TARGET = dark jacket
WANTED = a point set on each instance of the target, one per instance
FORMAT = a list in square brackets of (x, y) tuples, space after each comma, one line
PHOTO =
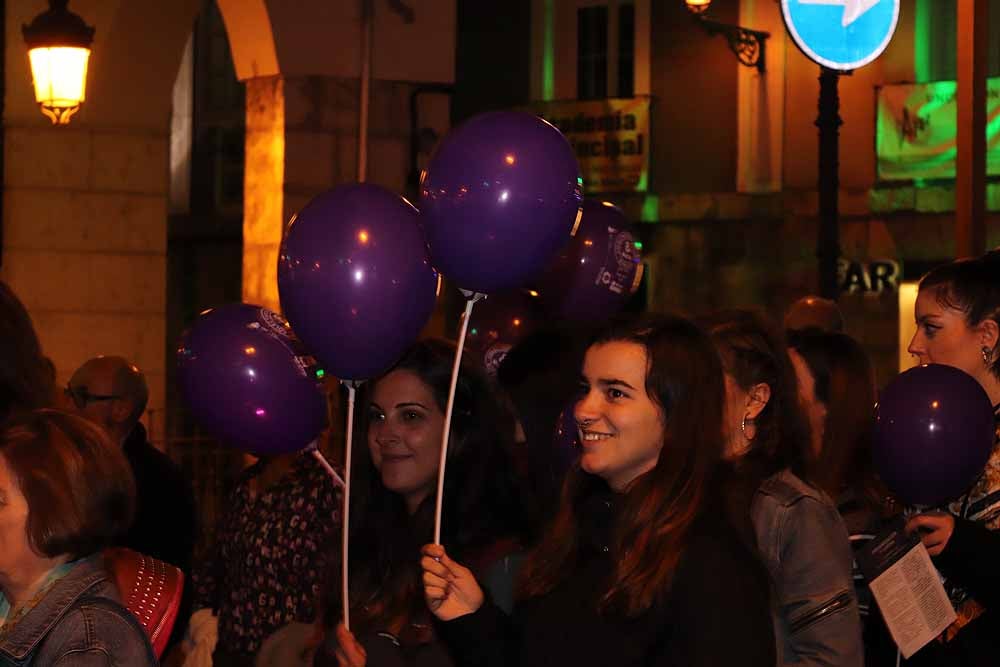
[(805, 546), (716, 613), (969, 565), (165, 524), (78, 623), (970, 560)]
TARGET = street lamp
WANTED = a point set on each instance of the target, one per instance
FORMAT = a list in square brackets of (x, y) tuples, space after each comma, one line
[(747, 45), (59, 48)]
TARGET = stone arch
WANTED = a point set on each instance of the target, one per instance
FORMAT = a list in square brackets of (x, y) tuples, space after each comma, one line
[(251, 38)]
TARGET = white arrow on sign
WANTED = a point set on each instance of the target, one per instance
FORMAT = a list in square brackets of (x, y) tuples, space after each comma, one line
[(853, 9)]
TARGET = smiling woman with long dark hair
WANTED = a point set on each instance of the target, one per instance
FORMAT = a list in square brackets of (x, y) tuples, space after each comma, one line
[(393, 505), (640, 566)]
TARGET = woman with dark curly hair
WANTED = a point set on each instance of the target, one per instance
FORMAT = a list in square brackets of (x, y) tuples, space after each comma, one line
[(393, 511)]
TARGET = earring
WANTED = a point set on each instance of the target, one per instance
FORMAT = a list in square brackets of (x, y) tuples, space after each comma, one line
[(987, 355), (743, 428)]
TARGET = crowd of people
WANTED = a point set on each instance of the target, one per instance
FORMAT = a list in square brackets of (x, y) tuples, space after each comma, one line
[(709, 515)]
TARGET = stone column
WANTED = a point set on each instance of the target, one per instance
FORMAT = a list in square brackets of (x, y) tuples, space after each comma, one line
[(302, 139)]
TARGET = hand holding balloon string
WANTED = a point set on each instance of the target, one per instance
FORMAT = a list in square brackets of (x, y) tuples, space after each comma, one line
[(450, 589)]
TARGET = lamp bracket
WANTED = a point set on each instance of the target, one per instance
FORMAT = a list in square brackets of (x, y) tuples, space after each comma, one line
[(747, 45)]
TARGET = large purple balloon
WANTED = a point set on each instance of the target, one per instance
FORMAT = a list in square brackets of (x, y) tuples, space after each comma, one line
[(594, 274), (355, 279), (249, 382), (501, 194), (933, 434)]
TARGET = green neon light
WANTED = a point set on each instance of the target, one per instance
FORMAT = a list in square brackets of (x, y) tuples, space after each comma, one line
[(638, 245), (549, 53), (651, 209), (922, 29), (320, 373)]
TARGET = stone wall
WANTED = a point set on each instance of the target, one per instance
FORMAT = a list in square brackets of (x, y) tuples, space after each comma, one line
[(85, 244)]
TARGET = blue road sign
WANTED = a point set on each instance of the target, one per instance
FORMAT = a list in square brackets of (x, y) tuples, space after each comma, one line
[(841, 34)]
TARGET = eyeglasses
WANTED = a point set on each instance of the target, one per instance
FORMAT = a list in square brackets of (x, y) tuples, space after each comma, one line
[(81, 397)]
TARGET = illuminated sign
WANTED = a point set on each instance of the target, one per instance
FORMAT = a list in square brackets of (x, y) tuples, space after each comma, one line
[(841, 34), (610, 138)]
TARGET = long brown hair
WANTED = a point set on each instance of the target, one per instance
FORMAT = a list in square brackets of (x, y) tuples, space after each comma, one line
[(845, 384), (26, 377), (481, 507), (684, 378)]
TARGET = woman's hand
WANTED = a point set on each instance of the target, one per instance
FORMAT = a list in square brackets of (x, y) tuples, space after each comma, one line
[(935, 530), (349, 652), (450, 589)]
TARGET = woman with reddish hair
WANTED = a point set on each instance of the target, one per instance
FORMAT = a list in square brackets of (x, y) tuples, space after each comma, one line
[(66, 492)]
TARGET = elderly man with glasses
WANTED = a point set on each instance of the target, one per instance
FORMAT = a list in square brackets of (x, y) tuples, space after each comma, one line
[(112, 392)]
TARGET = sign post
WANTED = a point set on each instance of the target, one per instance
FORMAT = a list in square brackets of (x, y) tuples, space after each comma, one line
[(840, 36)]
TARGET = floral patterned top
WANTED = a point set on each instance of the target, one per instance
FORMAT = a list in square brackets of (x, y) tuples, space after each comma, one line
[(270, 556)]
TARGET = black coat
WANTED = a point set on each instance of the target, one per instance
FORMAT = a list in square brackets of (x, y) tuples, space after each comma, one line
[(165, 524), (970, 560), (717, 612)]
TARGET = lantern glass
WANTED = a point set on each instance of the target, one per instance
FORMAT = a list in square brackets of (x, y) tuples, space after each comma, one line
[(698, 6), (60, 78)]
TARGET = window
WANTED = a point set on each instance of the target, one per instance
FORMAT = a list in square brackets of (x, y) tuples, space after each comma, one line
[(592, 53), (935, 40), (626, 50)]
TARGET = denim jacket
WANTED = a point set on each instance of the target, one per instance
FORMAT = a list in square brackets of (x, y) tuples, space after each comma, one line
[(78, 622), (805, 545)]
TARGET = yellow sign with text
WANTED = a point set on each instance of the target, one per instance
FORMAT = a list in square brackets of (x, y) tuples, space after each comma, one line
[(610, 138)]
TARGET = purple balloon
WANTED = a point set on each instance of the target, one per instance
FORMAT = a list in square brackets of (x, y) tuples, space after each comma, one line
[(355, 279), (249, 382), (594, 274), (933, 434), (498, 322), (499, 197)]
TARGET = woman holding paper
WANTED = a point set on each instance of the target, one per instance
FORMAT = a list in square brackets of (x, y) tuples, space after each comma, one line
[(393, 508), (958, 324), (640, 566), (800, 535)]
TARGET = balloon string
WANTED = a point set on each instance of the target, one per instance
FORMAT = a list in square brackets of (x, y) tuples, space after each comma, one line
[(445, 435), (337, 479), (345, 518)]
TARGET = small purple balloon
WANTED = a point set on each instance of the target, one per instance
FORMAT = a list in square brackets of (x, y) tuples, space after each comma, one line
[(499, 197), (498, 322), (934, 433), (355, 279), (594, 274), (249, 382)]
